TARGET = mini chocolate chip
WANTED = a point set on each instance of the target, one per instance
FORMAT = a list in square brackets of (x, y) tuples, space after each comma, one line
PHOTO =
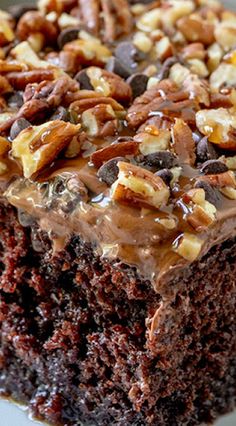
[(159, 160), (211, 193), (15, 100), (108, 172), (18, 126), (213, 167), (84, 80), (205, 150), (166, 175), (18, 10), (165, 69), (129, 55), (115, 66), (67, 35), (138, 83)]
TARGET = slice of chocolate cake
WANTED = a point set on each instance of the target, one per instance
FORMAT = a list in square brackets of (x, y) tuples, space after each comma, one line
[(118, 211)]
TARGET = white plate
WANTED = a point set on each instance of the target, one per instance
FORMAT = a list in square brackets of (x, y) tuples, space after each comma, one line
[(11, 415)]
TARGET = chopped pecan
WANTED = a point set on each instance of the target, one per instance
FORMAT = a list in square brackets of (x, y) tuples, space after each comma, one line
[(19, 80), (223, 76), (7, 66), (100, 121), (117, 18), (5, 86), (24, 53), (203, 213), (89, 99), (38, 146), (220, 180), (108, 84), (33, 22), (183, 142), (6, 33), (115, 150), (164, 97), (219, 125), (138, 187), (151, 142), (89, 52), (5, 146), (188, 246), (193, 50), (196, 30), (30, 110)]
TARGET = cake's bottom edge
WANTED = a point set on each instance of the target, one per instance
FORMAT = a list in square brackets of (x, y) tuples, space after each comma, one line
[(86, 341)]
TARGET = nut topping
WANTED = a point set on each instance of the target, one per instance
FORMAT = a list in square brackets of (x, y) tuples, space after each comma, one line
[(188, 246), (38, 146), (139, 188)]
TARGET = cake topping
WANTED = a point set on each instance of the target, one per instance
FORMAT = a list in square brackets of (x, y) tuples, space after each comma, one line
[(136, 104)]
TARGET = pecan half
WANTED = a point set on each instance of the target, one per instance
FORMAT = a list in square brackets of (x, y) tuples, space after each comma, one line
[(138, 187), (120, 149), (89, 99), (38, 146), (19, 80)]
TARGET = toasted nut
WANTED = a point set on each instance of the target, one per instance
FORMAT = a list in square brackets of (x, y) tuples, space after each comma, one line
[(225, 34), (194, 51), (109, 84), (47, 6), (224, 75), (120, 149), (196, 30), (143, 42), (6, 66), (164, 48), (100, 121), (188, 246), (203, 213), (178, 9), (65, 20), (150, 21), (230, 162), (36, 41), (217, 125), (33, 22), (197, 66), (183, 142), (38, 146), (6, 33), (176, 172), (5, 146), (167, 223), (24, 53), (150, 143), (221, 180), (229, 192), (3, 168), (89, 52), (139, 187), (178, 74), (215, 54), (5, 86), (73, 148)]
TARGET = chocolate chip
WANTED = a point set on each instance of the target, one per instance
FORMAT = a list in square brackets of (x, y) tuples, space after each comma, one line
[(18, 126), (108, 172), (115, 66), (211, 193), (213, 167), (15, 100), (166, 175), (84, 80), (67, 35), (18, 10), (129, 55), (205, 150), (159, 160), (138, 83)]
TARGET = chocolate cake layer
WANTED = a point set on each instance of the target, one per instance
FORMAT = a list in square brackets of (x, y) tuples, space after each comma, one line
[(84, 340)]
